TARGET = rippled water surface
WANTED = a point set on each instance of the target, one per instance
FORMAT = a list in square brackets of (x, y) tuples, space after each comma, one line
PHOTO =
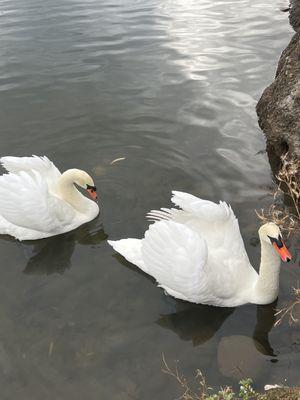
[(172, 87)]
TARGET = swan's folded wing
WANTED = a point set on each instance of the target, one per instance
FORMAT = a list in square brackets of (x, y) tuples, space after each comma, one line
[(28, 164), (25, 201), (217, 222), (176, 257), (205, 209), (193, 207)]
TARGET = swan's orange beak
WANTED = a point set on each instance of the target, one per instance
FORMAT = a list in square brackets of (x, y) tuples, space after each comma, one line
[(281, 249), (92, 191)]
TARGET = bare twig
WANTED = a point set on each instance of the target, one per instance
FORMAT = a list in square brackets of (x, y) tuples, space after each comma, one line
[(289, 175), (188, 393), (288, 179), (202, 392), (289, 310)]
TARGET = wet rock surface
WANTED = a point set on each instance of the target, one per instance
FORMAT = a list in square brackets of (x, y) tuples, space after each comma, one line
[(279, 106), (295, 15)]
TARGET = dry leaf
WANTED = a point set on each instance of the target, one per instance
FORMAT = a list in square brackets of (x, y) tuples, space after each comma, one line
[(117, 160)]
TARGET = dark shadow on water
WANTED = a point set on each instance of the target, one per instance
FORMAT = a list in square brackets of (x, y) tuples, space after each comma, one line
[(265, 320), (198, 323), (53, 255)]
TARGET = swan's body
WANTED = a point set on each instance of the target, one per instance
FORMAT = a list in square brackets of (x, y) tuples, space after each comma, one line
[(197, 254), (37, 201)]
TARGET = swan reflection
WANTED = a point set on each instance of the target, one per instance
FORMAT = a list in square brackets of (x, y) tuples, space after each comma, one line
[(199, 323), (50, 255)]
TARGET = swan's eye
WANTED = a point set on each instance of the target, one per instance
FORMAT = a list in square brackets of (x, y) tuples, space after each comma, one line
[(91, 188), (278, 241)]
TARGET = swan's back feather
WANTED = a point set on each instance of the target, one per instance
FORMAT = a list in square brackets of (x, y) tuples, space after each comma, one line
[(204, 209), (217, 223), (43, 165), (26, 203)]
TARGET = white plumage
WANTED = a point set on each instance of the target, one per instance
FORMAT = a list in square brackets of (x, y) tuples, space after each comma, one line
[(197, 254), (37, 201)]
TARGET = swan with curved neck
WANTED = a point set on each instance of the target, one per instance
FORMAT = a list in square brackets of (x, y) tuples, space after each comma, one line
[(67, 190), (37, 201), (196, 253)]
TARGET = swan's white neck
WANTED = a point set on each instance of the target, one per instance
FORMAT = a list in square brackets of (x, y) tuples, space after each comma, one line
[(267, 285), (68, 192)]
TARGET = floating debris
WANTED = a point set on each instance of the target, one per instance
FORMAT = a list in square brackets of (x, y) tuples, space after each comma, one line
[(51, 345), (117, 160), (269, 387)]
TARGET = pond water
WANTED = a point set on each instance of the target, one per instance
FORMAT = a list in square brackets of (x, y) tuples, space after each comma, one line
[(172, 87)]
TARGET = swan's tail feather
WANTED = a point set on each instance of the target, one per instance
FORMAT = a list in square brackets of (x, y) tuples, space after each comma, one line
[(158, 215), (166, 214), (131, 249)]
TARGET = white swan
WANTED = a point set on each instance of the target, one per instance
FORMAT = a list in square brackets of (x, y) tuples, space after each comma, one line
[(197, 254), (37, 201)]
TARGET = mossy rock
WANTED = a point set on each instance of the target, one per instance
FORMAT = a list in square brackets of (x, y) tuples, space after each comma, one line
[(281, 394)]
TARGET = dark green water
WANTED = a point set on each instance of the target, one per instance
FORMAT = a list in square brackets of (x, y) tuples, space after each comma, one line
[(172, 86)]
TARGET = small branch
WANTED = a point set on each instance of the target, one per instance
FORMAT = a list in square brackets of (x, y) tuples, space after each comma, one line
[(289, 177), (289, 310), (188, 393)]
